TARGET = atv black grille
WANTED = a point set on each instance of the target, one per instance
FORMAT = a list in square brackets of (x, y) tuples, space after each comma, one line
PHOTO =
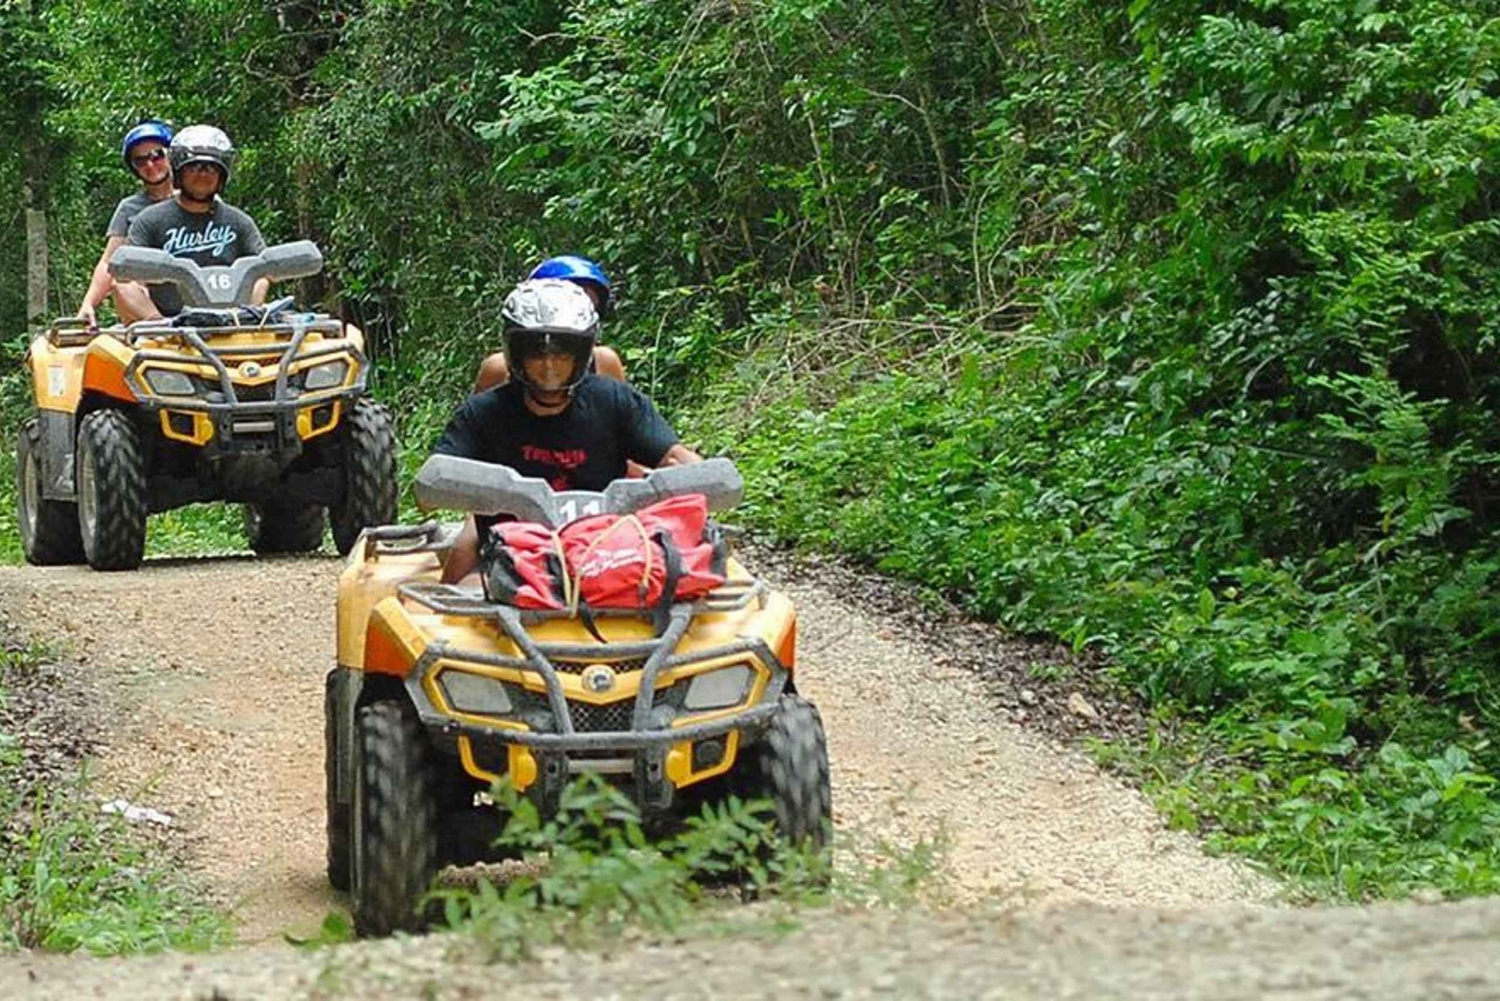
[(255, 394), (610, 718), (619, 666)]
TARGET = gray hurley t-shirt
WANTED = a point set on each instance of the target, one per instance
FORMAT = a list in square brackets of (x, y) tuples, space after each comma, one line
[(210, 239), (126, 211)]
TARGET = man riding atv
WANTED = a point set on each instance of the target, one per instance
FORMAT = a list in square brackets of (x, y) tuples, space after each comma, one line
[(648, 656), (229, 400), (555, 419), (195, 224)]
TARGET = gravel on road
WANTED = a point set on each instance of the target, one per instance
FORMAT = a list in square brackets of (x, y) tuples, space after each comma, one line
[(1225, 953)]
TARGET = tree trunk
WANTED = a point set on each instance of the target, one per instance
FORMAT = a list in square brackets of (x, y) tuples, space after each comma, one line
[(36, 266), (33, 95)]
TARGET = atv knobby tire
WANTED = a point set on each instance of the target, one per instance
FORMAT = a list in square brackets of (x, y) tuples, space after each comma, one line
[(395, 837), (369, 474), (277, 528), (790, 768), (49, 528), (112, 502), (337, 813)]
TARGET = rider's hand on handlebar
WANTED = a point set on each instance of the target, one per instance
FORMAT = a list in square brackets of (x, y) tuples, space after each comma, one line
[(88, 316)]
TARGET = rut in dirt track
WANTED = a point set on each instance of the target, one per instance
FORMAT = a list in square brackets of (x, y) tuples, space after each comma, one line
[(214, 673)]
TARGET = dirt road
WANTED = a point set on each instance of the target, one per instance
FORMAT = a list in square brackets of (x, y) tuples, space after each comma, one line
[(215, 672), (217, 669)]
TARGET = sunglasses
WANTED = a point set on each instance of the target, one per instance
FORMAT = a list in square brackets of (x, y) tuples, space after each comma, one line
[(155, 156)]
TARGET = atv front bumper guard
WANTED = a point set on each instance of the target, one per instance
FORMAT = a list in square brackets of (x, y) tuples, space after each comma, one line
[(244, 424), (651, 736)]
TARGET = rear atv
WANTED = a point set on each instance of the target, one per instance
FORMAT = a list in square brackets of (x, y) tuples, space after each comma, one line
[(439, 692), (262, 406)]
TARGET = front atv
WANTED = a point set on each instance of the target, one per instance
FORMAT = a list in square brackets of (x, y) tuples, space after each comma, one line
[(266, 407), (439, 692)]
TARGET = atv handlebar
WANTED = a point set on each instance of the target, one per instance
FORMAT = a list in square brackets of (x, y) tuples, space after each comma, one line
[(226, 286), (447, 481)]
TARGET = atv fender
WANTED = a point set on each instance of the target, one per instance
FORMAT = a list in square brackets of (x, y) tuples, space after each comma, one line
[(366, 583), (393, 645), (54, 453), (104, 369)]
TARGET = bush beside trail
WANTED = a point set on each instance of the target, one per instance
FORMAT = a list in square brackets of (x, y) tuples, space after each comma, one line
[(71, 877)]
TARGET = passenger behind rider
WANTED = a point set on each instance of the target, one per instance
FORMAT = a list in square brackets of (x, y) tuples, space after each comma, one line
[(144, 150), (555, 420), (590, 277), (586, 275), (196, 223)]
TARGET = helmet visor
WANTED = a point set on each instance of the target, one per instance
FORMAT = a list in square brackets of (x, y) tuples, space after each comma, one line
[(535, 357)]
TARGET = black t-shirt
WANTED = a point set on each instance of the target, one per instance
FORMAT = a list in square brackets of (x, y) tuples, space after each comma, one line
[(211, 239), (583, 448)]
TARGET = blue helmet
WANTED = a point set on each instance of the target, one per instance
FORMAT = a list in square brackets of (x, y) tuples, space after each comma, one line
[(149, 130), (579, 270)]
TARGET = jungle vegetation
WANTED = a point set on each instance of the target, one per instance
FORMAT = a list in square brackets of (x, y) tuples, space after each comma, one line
[(1164, 327)]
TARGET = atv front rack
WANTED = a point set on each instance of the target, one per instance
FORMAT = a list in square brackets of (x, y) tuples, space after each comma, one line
[(73, 332), (452, 599), (537, 658)]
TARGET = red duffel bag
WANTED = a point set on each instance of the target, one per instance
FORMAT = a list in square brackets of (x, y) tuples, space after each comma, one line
[(659, 555)]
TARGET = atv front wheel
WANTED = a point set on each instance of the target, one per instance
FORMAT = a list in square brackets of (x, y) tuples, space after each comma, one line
[(276, 528), (49, 528), (369, 474), (394, 833), (112, 504), (789, 767)]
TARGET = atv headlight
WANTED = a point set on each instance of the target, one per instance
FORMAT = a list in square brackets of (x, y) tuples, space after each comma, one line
[(170, 382), (474, 693), (718, 689), (325, 376)]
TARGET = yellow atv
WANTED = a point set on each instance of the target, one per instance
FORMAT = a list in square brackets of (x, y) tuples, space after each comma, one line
[(260, 405), (439, 692)]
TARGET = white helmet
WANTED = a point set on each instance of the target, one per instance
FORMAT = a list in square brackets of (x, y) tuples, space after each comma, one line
[(203, 144), (549, 314), (550, 304)]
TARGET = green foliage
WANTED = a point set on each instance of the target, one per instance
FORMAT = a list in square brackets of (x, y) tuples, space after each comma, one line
[(591, 873), (336, 929), (197, 530), (1246, 444), (72, 878), (1336, 824)]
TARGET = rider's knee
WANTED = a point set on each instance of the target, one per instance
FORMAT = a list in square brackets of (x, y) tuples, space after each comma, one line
[(607, 361), (133, 302), (492, 372)]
